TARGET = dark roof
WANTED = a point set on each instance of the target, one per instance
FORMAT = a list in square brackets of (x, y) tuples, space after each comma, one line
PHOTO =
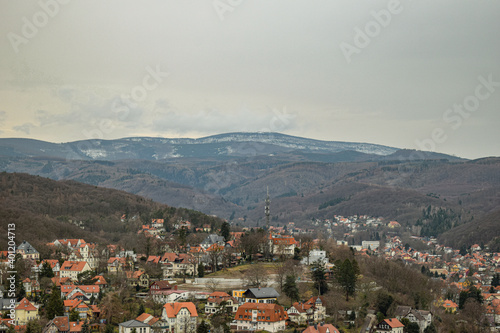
[(261, 293), (27, 247), (133, 323), (212, 239)]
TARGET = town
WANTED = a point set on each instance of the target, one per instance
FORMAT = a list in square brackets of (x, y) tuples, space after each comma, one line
[(314, 279)]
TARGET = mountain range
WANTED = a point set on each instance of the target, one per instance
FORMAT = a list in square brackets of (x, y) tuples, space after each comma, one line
[(228, 175), (217, 147)]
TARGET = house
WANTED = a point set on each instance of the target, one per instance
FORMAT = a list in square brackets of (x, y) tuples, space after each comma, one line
[(315, 256), (181, 264), (179, 317), (158, 286), (57, 325), (147, 318), (155, 323), (71, 269), (69, 243), (133, 326), (261, 295), (394, 224), (158, 223), (116, 264), (75, 326), (138, 278), (27, 251), (238, 295), (68, 291), (325, 328), (311, 311), (25, 311), (392, 325), (83, 310), (421, 317), (30, 286), (171, 296), (282, 245), (85, 252), (100, 281), (53, 263), (5, 325), (215, 300), (298, 313), (61, 281), (450, 306), (212, 239), (258, 316)]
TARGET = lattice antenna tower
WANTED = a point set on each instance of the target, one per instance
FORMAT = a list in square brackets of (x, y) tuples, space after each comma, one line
[(267, 210)]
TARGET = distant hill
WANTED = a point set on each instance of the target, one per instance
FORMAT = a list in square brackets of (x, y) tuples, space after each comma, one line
[(43, 210), (227, 175), (217, 147)]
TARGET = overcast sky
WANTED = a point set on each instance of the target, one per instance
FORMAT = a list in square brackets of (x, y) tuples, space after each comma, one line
[(418, 75)]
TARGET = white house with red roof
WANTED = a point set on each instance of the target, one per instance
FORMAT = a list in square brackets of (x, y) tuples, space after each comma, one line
[(71, 269), (392, 325), (219, 298), (180, 316), (282, 244), (260, 316), (67, 291)]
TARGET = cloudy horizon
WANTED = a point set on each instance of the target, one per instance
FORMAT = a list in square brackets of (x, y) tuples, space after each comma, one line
[(416, 75)]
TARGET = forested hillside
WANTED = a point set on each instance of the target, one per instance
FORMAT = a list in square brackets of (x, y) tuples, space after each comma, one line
[(43, 210)]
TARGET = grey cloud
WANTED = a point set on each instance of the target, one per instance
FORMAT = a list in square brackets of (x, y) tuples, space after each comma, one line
[(25, 128)]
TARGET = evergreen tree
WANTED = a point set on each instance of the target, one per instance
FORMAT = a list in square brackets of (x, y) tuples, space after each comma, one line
[(109, 329), (412, 328), (55, 305), (225, 231), (496, 280), (319, 278), (74, 316), (141, 310), (201, 270), (290, 288), (431, 329), (346, 275), (203, 327), (473, 293), (33, 326), (85, 328), (383, 302), (46, 271)]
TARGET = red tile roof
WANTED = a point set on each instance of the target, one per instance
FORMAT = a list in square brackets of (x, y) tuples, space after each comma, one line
[(266, 312), (326, 328), (173, 309), (393, 323), (74, 266), (25, 305)]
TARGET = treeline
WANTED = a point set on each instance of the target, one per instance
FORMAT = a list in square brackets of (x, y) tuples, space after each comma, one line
[(332, 202), (434, 222)]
